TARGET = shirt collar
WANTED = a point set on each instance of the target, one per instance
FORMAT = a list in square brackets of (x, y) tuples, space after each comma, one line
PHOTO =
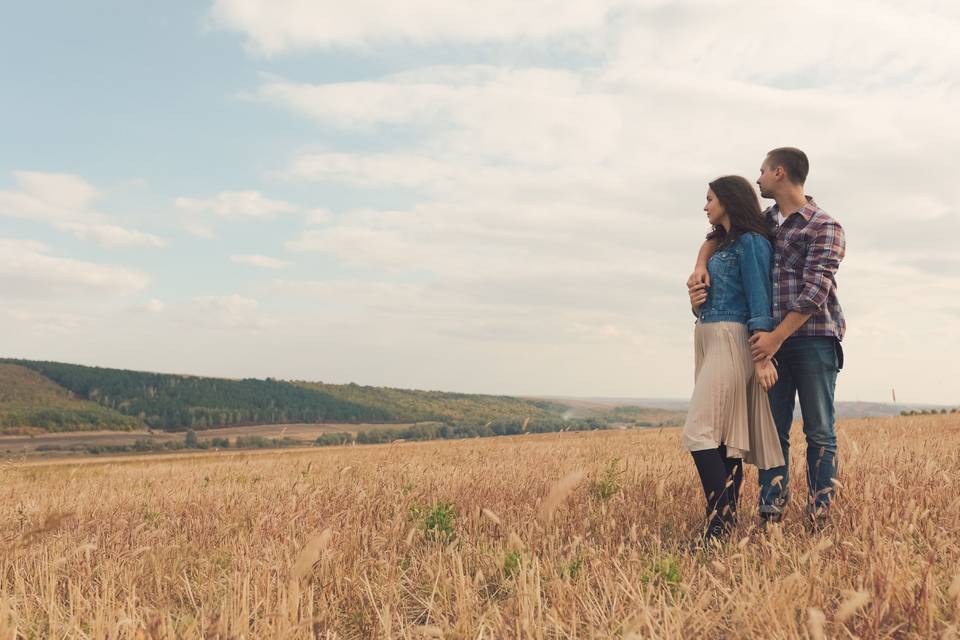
[(806, 211)]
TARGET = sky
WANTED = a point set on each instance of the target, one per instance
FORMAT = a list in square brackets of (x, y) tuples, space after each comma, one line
[(501, 197)]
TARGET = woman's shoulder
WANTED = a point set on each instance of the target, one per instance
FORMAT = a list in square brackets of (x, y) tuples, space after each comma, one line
[(753, 239)]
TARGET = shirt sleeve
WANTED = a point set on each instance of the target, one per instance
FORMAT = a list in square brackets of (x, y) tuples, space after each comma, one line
[(824, 254), (755, 264)]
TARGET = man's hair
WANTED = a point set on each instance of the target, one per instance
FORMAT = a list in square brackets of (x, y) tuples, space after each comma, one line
[(793, 161)]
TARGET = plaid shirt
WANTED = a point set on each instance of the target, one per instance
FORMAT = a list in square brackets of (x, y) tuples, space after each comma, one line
[(808, 249)]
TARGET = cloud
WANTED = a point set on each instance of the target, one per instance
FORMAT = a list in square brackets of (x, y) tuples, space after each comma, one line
[(28, 269), (850, 48), (563, 206), (235, 204), (111, 236), (224, 312), (263, 262), (66, 201), (526, 224), (43, 323), (49, 197), (150, 306), (290, 25), (537, 116)]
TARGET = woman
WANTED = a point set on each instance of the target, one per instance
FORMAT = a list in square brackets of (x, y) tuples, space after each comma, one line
[(729, 419)]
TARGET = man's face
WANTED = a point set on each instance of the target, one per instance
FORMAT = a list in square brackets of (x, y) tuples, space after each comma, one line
[(767, 179)]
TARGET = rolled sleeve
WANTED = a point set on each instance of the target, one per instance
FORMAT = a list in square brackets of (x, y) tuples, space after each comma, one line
[(755, 264), (824, 254)]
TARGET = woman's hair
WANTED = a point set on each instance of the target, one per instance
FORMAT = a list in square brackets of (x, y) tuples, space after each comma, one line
[(740, 201)]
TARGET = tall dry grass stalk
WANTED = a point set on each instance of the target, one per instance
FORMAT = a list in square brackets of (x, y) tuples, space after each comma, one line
[(344, 543)]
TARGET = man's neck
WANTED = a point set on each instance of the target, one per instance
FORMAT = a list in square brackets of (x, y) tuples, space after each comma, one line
[(788, 203)]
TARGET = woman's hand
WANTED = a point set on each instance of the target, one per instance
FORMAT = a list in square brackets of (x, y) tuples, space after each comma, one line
[(766, 373)]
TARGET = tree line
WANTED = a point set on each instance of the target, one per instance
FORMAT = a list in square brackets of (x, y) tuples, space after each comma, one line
[(180, 402)]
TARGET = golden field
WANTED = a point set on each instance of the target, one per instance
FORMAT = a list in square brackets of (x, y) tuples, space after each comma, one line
[(570, 535)]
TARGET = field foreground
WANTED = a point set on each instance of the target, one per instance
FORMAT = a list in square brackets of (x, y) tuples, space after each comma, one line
[(559, 535)]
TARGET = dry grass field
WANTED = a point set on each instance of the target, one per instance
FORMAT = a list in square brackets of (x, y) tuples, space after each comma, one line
[(570, 535)]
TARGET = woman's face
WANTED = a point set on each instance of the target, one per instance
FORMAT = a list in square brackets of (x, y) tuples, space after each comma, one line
[(716, 214)]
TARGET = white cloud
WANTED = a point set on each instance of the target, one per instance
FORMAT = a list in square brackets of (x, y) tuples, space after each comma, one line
[(112, 236), (249, 204), (28, 269), (48, 197), (263, 262), (150, 306), (235, 204), (66, 201), (43, 323), (224, 312), (536, 116), (318, 215), (574, 196), (286, 25), (849, 48), (509, 227)]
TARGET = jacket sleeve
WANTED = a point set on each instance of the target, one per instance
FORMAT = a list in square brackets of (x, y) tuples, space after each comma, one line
[(819, 271), (755, 266)]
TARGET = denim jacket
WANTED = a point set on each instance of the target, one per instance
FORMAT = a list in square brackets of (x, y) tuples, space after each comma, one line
[(740, 288)]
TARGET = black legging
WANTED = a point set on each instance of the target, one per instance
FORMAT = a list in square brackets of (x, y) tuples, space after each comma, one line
[(716, 469)]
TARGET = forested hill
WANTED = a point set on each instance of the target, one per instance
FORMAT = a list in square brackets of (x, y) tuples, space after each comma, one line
[(178, 402), (29, 403)]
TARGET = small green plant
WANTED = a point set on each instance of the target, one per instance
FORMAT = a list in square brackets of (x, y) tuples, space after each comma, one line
[(439, 521), (511, 563), (607, 484), (666, 572), (572, 569)]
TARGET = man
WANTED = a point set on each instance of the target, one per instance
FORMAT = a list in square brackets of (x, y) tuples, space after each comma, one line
[(809, 326)]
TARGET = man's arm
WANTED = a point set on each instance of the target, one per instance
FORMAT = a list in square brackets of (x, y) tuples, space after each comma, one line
[(819, 270), (764, 344), (700, 274)]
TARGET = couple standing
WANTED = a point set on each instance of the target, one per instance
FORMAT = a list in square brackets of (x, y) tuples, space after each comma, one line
[(768, 331)]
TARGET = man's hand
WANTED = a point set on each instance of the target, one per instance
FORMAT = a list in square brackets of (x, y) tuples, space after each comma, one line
[(700, 275), (766, 374), (698, 295), (764, 345)]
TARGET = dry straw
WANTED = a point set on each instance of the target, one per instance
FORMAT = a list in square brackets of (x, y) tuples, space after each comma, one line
[(310, 554), (221, 545), (851, 605), (815, 623), (563, 488)]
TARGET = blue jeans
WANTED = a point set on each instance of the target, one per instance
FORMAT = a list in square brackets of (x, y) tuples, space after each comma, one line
[(807, 367)]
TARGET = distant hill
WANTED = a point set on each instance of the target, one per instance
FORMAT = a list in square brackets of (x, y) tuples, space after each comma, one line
[(54, 396), (179, 402), (30, 401), (407, 405), (844, 409)]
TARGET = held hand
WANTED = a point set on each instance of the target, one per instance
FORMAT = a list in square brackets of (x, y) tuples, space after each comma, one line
[(766, 374), (764, 345), (698, 295), (700, 275)]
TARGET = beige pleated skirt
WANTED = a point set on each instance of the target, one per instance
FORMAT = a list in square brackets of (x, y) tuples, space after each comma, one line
[(729, 407)]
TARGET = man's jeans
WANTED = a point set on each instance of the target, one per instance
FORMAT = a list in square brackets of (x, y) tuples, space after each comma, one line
[(807, 367)]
